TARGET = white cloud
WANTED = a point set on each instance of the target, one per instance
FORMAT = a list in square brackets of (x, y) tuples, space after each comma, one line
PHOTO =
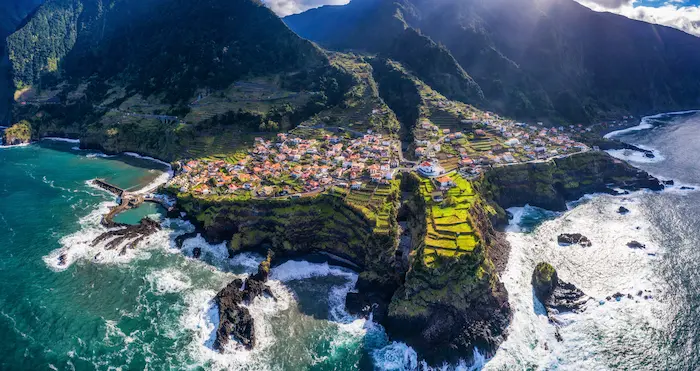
[(610, 4), (286, 7), (673, 13)]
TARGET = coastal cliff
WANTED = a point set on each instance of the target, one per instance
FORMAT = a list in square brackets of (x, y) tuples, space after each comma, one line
[(443, 301), (550, 185), (325, 224), (19, 133), (452, 301)]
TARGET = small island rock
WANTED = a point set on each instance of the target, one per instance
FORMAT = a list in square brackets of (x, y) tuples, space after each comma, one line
[(557, 296), (623, 210), (19, 133), (574, 238), (235, 321), (636, 245)]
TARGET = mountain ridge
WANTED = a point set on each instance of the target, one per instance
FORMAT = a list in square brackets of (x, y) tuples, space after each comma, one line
[(544, 59)]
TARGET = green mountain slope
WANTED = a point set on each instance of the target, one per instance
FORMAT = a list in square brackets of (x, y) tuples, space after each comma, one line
[(12, 13), (166, 78), (383, 27), (539, 58), (186, 46)]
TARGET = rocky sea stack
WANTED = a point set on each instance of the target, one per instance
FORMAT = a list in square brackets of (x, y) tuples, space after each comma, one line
[(557, 296), (573, 239), (19, 133), (235, 321)]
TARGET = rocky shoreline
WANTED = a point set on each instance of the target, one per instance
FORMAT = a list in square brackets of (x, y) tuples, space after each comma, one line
[(474, 314), (551, 185), (17, 134), (235, 321)]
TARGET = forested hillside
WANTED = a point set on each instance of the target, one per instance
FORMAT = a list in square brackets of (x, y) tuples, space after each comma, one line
[(543, 59), (168, 78), (171, 47), (12, 13)]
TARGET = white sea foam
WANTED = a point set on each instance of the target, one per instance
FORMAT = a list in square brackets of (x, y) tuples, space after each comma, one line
[(15, 146), (167, 281), (98, 155), (299, 270), (636, 156), (601, 270), (79, 245), (217, 255), (645, 123), (58, 139), (152, 159), (201, 319)]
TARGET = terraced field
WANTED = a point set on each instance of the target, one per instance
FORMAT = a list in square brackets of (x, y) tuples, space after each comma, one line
[(253, 96), (222, 145), (450, 232), (374, 201), (445, 120)]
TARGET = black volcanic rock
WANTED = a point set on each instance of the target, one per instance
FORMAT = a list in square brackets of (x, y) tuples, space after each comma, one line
[(636, 245), (623, 210), (574, 238), (197, 252), (551, 185), (557, 296), (235, 320)]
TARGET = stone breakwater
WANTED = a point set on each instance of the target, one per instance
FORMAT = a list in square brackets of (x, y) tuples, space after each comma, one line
[(119, 235)]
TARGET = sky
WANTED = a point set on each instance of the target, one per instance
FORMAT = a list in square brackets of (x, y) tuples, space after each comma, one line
[(681, 14)]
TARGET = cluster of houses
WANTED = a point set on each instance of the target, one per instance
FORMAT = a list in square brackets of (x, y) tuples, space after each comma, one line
[(291, 165), (507, 143)]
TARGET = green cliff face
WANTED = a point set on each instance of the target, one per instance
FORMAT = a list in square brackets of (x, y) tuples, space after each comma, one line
[(452, 299), (19, 133), (550, 185), (325, 223), (444, 303)]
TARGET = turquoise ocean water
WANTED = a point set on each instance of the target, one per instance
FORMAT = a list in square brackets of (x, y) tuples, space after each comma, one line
[(150, 309)]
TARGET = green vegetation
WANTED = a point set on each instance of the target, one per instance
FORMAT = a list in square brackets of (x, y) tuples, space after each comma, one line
[(544, 279), (361, 108), (450, 226), (530, 60), (241, 73), (366, 235), (383, 28), (83, 38), (18, 133), (551, 184), (452, 279), (400, 93)]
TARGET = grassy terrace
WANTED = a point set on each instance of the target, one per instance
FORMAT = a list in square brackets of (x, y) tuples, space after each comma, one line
[(374, 201), (450, 231), (257, 95), (220, 145)]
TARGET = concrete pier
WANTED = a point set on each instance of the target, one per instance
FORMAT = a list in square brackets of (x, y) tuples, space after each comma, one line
[(108, 187)]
